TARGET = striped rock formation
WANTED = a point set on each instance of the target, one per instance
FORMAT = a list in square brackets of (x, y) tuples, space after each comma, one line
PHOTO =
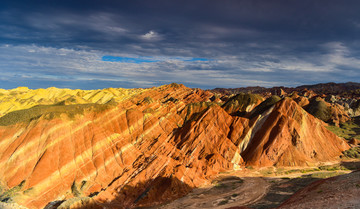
[(286, 135), (143, 147)]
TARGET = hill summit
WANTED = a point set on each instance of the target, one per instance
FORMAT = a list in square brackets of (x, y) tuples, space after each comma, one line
[(124, 148)]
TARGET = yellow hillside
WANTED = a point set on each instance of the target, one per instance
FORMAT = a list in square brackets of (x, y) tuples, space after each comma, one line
[(23, 97)]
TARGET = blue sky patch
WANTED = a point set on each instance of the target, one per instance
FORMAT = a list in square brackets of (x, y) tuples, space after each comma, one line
[(147, 59), (194, 59), (127, 59)]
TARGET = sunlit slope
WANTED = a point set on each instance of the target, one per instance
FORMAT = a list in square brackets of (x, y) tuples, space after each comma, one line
[(146, 147), (23, 97)]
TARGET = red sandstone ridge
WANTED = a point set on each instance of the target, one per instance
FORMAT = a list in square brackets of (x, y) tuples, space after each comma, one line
[(59, 157), (286, 135), (153, 146)]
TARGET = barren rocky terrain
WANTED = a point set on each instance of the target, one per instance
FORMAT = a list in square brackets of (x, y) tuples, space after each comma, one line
[(173, 147)]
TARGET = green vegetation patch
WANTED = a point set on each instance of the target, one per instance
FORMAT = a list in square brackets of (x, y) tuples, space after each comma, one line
[(347, 130), (221, 185), (341, 132), (74, 190), (51, 111), (240, 102), (223, 202), (309, 170), (333, 168), (146, 100), (324, 175), (266, 172), (195, 110), (263, 106), (8, 195), (292, 171), (78, 188), (304, 170), (319, 109), (175, 85), (351, 153), (338, 167)]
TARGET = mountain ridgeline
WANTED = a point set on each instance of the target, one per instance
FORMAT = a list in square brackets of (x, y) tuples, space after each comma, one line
[(127, 148)]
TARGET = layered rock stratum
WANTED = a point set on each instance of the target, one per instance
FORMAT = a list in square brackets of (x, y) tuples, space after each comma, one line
[(123, 148)]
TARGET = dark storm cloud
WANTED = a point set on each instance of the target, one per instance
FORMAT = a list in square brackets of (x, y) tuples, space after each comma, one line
[(245, 42), (101, 24)]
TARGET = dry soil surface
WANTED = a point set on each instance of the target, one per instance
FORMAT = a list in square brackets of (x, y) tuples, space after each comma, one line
[(225, 192), (262, 189)]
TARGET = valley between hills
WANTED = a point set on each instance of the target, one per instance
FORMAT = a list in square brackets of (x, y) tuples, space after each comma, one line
[(177, 147)]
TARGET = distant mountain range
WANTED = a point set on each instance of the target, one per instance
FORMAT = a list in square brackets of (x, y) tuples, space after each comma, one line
[(321, 88)]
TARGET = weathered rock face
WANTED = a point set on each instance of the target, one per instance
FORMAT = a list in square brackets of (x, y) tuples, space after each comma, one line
[(86, 152), (351, 106), (333, 113), (242, 103), (148, 147), (189, 156), (286, 135), (355, 108), (302, 101)]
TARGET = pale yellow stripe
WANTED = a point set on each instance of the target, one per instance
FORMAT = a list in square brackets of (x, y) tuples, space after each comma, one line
[(32, 145), (71, 166)]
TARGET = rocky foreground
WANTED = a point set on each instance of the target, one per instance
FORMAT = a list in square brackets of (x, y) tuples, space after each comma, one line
[(336, 192), (126, 148)]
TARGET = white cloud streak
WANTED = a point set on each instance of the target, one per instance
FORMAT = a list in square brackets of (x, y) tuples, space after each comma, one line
[(33, 63), (151, 36)]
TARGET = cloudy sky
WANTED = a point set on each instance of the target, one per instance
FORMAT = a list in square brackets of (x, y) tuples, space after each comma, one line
[(201, 43)]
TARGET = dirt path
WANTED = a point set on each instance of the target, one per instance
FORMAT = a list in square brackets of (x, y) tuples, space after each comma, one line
[(227, 192), (257, 188)]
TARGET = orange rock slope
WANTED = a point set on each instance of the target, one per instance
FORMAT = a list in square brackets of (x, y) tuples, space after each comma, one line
[(153, 146), (289, 136)]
